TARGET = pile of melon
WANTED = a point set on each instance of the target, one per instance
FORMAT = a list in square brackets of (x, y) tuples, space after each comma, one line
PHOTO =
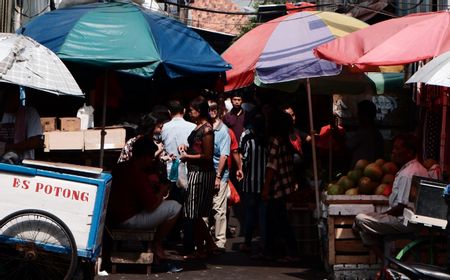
[(366, 178)]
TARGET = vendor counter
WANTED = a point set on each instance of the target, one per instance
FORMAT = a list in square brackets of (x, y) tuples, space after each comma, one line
[(83, 147), (84, 139)]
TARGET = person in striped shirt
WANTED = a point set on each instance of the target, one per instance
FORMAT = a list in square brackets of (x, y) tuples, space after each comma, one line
[(252, 148)]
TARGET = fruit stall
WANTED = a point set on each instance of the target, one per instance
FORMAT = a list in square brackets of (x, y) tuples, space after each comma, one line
[(363, 189)]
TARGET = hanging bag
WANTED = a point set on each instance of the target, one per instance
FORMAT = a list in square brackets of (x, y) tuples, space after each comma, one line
[(182, 181)]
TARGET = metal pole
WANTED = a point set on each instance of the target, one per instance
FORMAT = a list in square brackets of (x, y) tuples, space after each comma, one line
[(443, 131), (313, 143), (103, 131)]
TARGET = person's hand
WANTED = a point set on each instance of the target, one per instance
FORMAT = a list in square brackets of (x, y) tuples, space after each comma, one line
[(183, 157), (182, 149), (217, 184), (164, 190), (239, 175)]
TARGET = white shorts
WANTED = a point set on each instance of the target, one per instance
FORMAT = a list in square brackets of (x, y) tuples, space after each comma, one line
[(168, 209)]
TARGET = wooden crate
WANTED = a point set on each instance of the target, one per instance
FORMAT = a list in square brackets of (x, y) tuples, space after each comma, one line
[(343, 246)]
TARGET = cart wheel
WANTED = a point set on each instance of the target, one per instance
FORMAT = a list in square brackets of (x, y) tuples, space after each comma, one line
[(35, 244)]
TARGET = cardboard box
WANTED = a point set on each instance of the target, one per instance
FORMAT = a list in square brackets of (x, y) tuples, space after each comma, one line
[(69, 124), (48, 124), (63, 140), (114, 139)]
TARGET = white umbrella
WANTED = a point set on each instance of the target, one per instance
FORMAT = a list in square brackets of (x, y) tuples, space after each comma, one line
[(25, 62), (436, 72)]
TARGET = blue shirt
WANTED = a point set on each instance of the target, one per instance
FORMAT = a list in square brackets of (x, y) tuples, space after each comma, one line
[(222, 143), (173, 134)]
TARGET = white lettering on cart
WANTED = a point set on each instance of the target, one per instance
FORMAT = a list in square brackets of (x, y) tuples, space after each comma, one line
[(57, 191)]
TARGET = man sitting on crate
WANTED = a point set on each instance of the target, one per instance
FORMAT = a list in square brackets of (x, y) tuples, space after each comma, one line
[(137, 198), (373, 226)]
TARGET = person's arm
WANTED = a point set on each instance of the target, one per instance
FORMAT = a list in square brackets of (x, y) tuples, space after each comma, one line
[(237, 159), (271, 167), (208, 150), (219, 171), (396, 210), (35, 142)]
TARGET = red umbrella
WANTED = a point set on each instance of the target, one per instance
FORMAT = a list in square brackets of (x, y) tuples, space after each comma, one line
[(392, 42)]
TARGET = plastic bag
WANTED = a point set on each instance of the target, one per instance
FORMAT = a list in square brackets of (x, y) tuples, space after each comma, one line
[(86, 115), (173, 174), (182, 181), (234, 197)]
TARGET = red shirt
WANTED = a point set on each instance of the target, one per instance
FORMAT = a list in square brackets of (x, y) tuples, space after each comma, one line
[(233, 147), (132, 192)]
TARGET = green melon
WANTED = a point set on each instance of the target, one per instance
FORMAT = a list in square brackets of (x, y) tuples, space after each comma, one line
[(366, 186), (389, 168), (373, 171), (355, 175), (361, 164), (352, 191), (334, 189), (346, 183)]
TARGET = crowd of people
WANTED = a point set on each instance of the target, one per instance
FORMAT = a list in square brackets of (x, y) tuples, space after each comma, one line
[(253, 152), (176, 175)]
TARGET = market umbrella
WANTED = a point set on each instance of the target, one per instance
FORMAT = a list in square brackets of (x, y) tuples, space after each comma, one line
[(25, 62), (396, 41), (437, 72), (126, 37), (281, 51)]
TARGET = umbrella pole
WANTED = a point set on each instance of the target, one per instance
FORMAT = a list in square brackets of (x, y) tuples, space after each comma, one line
[(103, 131), (313, 143), (443, 130)]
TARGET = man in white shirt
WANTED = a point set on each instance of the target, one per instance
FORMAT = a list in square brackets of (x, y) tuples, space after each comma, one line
[(173, 134), (20, 126), (373, 226)]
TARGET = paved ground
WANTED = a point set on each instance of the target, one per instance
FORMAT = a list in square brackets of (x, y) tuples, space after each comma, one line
[(232, 265)]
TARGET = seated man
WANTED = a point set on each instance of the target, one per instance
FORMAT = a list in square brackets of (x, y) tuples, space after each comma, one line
[(137, 195), (20, 126), (373, 226)]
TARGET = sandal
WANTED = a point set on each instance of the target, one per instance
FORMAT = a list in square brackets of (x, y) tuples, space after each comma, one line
[(195, 256)]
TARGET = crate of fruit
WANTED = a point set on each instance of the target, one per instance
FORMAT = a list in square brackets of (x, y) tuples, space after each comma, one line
[(365, 183)]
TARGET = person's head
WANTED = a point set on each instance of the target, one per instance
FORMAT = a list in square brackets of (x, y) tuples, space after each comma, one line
[(10, 100), (144, 152), (152, 123), (236, 100), (367, 111), (199, 109), (288, 110), (175, 107), (404, 148), (213, 110), (255, 121), (280, 124)]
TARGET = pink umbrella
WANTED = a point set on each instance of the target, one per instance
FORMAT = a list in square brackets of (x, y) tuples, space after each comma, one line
[(392, 42)]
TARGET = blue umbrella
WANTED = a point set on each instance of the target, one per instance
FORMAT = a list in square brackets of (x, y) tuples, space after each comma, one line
[(125, 37)]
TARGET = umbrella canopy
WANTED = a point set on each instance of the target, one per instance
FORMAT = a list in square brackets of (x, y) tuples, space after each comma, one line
[(25, 62), (436, 72), (126, 37), (281, 50), (392, 42)]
